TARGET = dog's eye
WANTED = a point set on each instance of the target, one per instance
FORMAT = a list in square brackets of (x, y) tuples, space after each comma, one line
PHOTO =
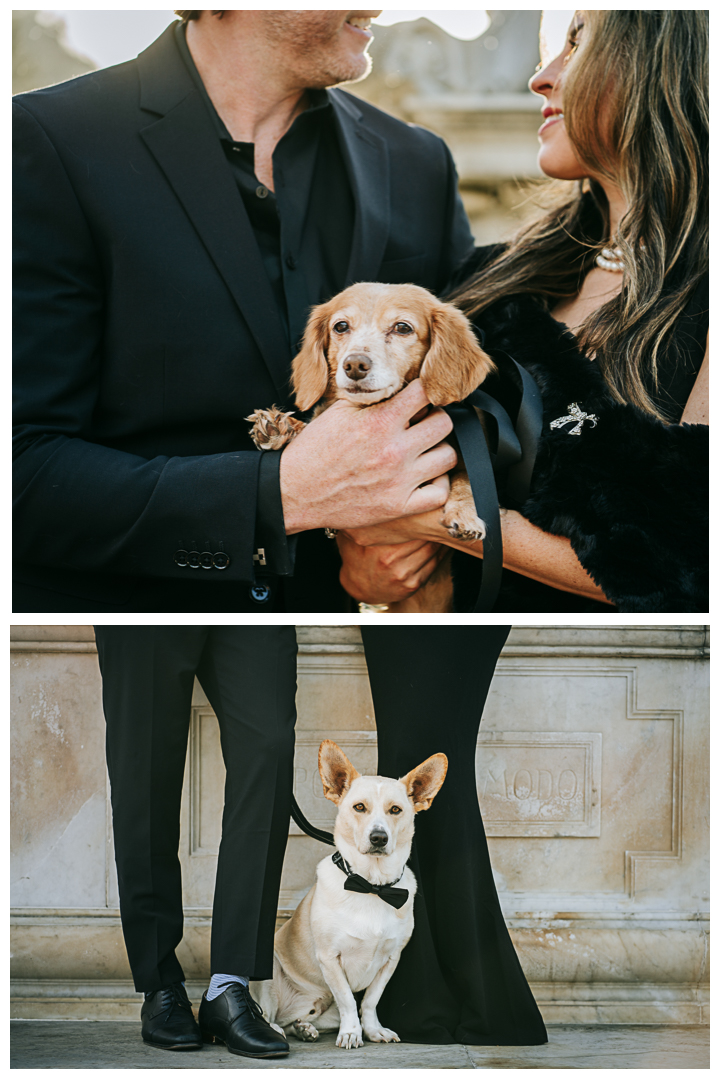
[(360, 807), (403, 328), (396, 809), (341, 327)]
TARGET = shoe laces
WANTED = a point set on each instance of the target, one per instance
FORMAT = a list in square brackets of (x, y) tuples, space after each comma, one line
[(237, 989), (175, 995)]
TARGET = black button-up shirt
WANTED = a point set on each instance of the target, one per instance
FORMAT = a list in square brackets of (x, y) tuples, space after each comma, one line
[(304, 233)]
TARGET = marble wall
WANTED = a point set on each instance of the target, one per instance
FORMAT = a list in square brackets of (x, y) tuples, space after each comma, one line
[(592, 768)]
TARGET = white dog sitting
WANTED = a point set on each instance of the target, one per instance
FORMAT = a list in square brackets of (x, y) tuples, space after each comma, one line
[(348, 932)]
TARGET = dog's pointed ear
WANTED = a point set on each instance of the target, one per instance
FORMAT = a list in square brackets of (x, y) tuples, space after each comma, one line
[(424, 782), (310, 372), (455, 365), (336, 771)]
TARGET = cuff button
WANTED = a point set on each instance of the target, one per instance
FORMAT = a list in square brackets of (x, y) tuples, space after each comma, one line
[(181, 557), (221, 561)]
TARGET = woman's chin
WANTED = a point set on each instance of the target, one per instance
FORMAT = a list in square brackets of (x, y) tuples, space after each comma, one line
[(559, 168)]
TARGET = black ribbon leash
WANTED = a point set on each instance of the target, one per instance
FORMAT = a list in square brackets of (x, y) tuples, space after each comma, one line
[(513, 460), (302, 822), (354, 883)]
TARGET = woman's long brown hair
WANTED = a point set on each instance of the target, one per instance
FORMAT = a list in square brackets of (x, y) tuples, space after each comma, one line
[(647, 72)]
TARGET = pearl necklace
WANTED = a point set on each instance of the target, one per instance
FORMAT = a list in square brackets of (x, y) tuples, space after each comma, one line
[(611, 259)]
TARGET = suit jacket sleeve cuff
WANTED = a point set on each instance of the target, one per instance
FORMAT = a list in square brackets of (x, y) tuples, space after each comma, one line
[(275, 550)]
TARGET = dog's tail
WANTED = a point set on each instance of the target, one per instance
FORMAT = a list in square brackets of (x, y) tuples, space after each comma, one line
[(302, 822)]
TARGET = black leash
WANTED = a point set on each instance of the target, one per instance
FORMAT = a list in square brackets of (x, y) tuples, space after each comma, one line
[(302, 822), (513, 460)]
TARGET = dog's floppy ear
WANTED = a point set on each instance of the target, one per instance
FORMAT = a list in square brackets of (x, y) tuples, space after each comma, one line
[(455, 364), (336, 771), (424, 782), (310, 370)]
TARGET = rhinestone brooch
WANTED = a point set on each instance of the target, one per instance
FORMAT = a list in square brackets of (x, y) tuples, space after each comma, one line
[(577, 417)]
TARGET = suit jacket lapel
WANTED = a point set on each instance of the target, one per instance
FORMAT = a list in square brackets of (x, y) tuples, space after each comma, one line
[(366, 159), (189, 153)]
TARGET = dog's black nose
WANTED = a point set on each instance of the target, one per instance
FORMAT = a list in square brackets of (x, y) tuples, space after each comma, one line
[(378, 838), (357, 365)]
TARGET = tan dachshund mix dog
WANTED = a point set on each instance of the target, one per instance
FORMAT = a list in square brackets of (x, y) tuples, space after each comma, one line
[(365, 345), (339, 941)]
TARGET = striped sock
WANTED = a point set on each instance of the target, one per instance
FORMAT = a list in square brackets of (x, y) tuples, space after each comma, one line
[(218, 983)]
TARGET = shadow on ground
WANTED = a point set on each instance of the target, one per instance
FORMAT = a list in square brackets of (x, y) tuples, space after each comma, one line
[(71, 1044)]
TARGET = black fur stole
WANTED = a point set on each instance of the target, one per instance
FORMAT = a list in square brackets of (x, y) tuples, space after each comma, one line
[(631, 493)]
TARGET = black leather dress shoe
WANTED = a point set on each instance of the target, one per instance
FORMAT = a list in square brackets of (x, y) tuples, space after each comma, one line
[(235, 1019), (168, 1022)]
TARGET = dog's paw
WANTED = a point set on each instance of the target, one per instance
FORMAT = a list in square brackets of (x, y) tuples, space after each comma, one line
[(272, 429), (463, 524), (303, 1030), (381, 1034), (349, 1040)]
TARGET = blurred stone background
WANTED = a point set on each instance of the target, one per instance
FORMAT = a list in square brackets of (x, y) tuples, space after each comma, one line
[(471, 92), (593, 778)]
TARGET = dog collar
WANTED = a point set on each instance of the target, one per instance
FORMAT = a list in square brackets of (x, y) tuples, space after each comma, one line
[(354, 883)]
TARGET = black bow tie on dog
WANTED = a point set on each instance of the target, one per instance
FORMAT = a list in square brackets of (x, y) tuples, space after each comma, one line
[(354, 883)]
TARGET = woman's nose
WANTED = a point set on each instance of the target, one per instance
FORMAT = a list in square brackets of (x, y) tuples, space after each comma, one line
[(543, 81)]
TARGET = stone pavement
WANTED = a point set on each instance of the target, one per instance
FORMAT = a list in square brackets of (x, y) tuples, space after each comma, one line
[(70, 1044)]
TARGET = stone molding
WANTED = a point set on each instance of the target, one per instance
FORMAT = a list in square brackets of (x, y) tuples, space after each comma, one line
[(645, 640)]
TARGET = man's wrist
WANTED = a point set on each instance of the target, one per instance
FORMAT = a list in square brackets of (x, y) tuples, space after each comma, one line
[(293, 512)]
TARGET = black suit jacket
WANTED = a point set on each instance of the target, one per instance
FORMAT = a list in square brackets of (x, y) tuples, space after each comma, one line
[(146, 327)]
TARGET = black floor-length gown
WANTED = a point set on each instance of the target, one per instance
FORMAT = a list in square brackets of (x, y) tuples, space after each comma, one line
[(459, 978)]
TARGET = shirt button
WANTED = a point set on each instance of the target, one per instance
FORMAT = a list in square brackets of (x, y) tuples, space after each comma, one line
[(260, 593), (290, 262), (261, 191)]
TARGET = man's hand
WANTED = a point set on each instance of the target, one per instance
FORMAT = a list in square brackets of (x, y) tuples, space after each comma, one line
[(388, 573), (353, 467)]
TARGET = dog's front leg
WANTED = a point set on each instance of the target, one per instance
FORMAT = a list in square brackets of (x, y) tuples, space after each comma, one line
[(370, 1023), (460, 516), (272, 429), (350, 1033)]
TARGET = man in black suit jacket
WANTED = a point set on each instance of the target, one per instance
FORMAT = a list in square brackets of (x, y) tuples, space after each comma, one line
[(176, 218)]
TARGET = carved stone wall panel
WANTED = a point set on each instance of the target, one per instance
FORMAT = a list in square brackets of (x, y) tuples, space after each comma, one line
[(642, 773), (206, 783), (538, 788), (540, 783)]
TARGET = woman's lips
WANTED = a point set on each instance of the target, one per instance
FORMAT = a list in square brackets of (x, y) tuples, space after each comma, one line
[(553, 119)]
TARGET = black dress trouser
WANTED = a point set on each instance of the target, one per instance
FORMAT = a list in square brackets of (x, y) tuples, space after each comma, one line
[(459, 978), (249, 676)]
